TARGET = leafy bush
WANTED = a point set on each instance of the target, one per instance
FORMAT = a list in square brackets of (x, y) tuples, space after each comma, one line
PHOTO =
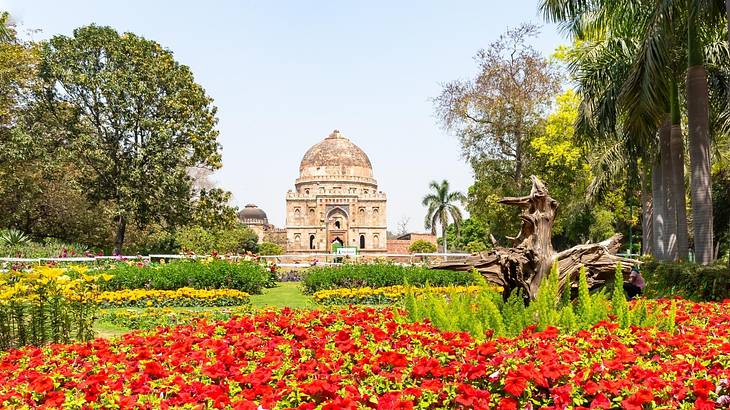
[(202, 241), (421, 246), (245, 276), (268, 248), (476, 246), (380, 275), (688, 280)]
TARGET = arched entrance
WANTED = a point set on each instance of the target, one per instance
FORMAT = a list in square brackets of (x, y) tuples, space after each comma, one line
[(337, 227), (336, 243)]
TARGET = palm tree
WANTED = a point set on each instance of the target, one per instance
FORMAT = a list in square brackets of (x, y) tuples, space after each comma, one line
[(441, 204), (645, 95)]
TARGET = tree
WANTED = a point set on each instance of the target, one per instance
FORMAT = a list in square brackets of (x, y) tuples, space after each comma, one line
[(646, 94), (139, 121), (268, 248), (441, 204), (421, 246), (497, 114)]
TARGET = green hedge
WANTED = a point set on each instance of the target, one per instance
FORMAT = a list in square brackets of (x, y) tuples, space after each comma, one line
[(248, 277), (688, 280), (380, 275)]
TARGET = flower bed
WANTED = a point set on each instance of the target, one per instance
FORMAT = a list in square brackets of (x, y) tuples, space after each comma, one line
[(365, 357), (150, 318), (179, 297), (385, 295)]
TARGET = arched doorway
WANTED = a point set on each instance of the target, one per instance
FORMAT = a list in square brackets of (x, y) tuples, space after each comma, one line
[(362, 241), (336, 243), (337, 226)]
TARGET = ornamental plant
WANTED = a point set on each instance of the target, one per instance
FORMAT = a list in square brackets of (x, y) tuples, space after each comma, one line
[(380, 275), (47, 305), (180, 297), (245, 276)]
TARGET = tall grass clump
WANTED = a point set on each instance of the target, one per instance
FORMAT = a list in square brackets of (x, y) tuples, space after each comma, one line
[(485, 313)]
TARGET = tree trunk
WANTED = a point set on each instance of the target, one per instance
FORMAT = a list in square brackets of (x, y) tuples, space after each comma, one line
[(119, 238), (657, 213), (698, 121), (676, 143), (527, 264), (443, 231), (646, 214), (670, 215)]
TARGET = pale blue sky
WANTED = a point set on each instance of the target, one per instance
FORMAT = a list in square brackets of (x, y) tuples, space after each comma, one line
[(285, 74)]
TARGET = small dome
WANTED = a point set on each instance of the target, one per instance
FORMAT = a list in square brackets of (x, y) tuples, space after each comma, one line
[(335, 151), (252, 212)]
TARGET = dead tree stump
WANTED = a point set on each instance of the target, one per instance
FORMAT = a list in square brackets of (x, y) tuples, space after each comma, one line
[(528, 262)]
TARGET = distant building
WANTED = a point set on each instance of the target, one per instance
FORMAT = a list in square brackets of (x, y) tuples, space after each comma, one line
[(255, 218), (401, 244), (335, 201)]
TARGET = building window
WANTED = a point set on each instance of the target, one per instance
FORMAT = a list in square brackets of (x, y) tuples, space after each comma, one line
[(337, 224), (297, 212), (311, 241), (298, 240), (376, 241), (306, 192), (311, 212), (375, 211), (362, 241)]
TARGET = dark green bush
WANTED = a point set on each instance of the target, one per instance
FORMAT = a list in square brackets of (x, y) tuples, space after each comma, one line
[(380, 275), (688, 280), (244, 276)]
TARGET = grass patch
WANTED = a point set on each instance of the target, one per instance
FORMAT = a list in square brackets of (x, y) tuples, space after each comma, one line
[(285, 294)]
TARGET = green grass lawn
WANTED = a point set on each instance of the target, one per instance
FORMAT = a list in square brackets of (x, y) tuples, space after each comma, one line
[(286, 294)]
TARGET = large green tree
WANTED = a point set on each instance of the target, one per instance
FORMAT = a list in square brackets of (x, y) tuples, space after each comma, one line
[(139, 120), (442, 204)]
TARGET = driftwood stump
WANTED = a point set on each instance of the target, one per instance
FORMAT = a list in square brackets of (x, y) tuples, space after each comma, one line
[(528, 262)]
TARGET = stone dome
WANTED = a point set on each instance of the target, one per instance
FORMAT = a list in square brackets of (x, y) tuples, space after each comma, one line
[(252, 212), (335, 154)]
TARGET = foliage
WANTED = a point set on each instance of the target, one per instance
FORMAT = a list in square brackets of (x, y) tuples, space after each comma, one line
[(384, 295), (165, 298), (157, 122), (482, 309), (688, 280), (268, 248), (196, 239), (348, 358), (46, 305), (13, 238), (422, 246), (378, 276), (48, 248), (472, 236), (211, 209), (244, 276), (150, 318)]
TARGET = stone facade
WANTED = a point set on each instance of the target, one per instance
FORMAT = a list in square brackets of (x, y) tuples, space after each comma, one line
[(255, 218), (336, 200)]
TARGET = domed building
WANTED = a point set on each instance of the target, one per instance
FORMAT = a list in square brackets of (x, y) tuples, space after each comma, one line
[(255, 218), (336, 201)]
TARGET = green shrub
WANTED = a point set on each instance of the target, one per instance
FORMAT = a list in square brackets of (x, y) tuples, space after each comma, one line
[(380, 275), (688, 280), (476, 247), (205, 241), (248, 277), (268, 248), (421, 246)]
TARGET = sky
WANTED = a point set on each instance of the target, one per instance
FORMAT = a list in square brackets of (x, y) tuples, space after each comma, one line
[(284, 74)]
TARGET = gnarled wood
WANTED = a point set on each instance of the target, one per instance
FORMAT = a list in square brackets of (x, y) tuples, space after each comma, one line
[(528, 262)]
